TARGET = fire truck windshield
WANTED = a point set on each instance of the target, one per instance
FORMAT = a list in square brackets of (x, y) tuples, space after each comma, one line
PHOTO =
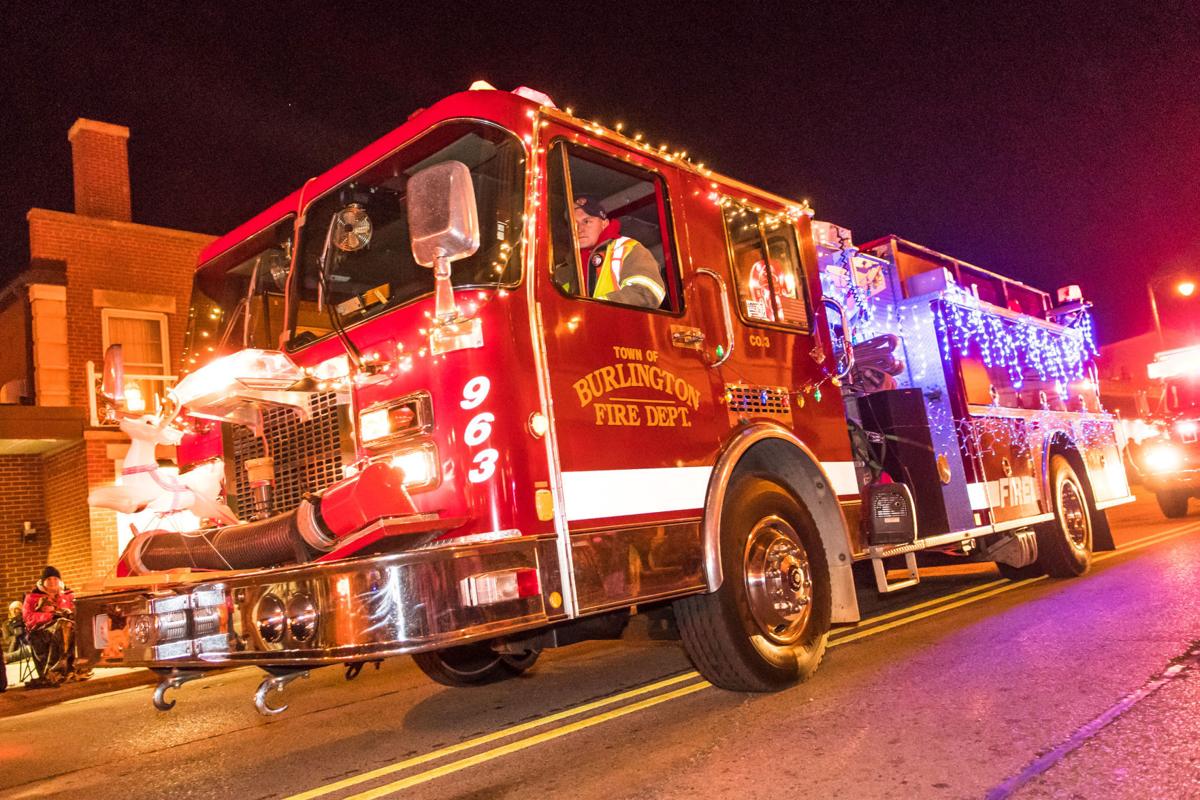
[(237, 298), (1182, 394), (372, 278)]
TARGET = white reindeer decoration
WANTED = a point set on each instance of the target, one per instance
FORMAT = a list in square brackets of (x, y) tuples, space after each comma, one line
[(145, 486)]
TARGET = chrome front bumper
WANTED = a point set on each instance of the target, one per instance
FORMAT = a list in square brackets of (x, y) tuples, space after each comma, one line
[(317, 614)]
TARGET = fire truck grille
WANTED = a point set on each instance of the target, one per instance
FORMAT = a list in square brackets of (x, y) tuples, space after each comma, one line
[(758, 400), (308, 455)]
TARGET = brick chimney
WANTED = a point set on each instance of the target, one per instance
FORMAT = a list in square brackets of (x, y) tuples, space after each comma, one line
[(100, 152)]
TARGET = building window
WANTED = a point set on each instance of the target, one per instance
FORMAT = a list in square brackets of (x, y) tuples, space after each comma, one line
[(144, 349)]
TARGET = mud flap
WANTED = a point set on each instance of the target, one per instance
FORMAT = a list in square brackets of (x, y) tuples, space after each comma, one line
[(1102, 538)]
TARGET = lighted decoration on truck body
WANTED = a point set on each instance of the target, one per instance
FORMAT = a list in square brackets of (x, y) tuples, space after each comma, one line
[(440, 439)]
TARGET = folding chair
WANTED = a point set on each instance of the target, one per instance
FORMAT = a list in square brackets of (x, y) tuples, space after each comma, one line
[(25, 660), (30, 668)]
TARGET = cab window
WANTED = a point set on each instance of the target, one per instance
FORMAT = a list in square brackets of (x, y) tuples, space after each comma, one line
[(368, 269), (602, 211), (766, 267)]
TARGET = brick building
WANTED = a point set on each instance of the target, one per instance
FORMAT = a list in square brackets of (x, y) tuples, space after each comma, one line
[(94, 278)]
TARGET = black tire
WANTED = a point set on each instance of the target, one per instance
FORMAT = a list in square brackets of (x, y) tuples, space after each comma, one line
[(1019, 573), (1173, 504), (737, 637), (473, 665), (1065, 545)]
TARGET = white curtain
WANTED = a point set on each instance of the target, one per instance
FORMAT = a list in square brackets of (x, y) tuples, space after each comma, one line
[(141, 343)]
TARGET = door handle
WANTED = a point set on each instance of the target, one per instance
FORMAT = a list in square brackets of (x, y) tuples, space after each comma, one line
[(727, 316), (691, 338)]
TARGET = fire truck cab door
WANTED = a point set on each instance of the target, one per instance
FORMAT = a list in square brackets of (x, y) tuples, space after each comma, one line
[(633, 406)]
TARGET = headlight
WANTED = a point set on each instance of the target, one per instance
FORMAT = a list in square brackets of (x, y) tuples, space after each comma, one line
[(270, 618), (385, 424), (1187, 430), (419, 465), (302, 617), (1162, 458)]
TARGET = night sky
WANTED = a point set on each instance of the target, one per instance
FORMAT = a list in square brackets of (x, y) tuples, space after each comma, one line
[(1053, 143)]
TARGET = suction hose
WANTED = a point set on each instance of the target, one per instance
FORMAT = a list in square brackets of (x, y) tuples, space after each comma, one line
[(292, 538)]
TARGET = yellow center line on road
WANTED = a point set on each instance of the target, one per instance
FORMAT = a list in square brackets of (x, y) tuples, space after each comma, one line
[(933, 612), (522, 744), (1137, 544), (399, 766), (1146, 541), (878, 618), (976, 594)]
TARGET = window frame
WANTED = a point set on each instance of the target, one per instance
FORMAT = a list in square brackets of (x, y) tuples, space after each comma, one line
[(662, 190), (107, 314), (801, 272), (292, 300)]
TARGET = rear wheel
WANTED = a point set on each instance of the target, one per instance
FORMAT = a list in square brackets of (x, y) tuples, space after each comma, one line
[(1173, 504), (1065, 545), (766, 627), (473, 664)]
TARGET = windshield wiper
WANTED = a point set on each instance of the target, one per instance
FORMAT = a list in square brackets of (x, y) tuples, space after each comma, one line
[(335, 318)]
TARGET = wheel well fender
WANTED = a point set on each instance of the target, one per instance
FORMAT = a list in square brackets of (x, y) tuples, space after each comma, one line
[(775, 451), (1059, 443)]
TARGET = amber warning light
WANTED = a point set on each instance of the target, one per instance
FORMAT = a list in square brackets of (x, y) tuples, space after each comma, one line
[(384, 423)]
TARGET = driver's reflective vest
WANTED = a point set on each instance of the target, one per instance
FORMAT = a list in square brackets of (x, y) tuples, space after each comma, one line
[(609, 278)]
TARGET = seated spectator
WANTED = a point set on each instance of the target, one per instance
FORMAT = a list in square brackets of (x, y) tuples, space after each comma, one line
[(15, 647), (49, 616)]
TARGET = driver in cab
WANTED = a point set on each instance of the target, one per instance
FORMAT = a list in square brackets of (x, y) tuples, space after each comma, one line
[(618, 269)]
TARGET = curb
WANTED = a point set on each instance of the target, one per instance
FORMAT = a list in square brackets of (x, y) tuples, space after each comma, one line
[(20, 699)]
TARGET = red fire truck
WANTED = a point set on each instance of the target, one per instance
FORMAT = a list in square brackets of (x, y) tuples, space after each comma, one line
[(1167, 451), (435, 445)]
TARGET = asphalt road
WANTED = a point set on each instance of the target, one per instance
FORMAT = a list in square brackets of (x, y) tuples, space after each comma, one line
[(967, 686)]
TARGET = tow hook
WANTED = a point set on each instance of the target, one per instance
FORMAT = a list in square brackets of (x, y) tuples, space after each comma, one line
[(173, 680), (355, 667), (277, 682)]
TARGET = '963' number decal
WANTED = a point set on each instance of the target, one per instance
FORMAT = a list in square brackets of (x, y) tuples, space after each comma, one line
[(479, 430)]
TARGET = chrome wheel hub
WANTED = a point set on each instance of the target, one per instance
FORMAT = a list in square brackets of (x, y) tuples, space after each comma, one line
[(778, 576), (1073, 513)]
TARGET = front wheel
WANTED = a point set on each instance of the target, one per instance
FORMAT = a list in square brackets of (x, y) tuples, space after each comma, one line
[(1065, 544), (766, 627), (1173, 504), (473, 665)]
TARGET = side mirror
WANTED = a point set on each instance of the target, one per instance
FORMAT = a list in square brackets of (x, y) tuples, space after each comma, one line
[(442, 219), (443, 223), (842, 345), (112, 382)]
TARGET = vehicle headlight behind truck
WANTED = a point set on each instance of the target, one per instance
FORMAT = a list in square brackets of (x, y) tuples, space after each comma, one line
[(1162, 458)]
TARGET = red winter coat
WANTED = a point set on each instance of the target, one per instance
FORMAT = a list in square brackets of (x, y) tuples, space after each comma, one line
[(40, 606)]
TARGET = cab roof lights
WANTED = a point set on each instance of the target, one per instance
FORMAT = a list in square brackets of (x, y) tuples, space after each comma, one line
[(1175, 363), (541, 98)]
